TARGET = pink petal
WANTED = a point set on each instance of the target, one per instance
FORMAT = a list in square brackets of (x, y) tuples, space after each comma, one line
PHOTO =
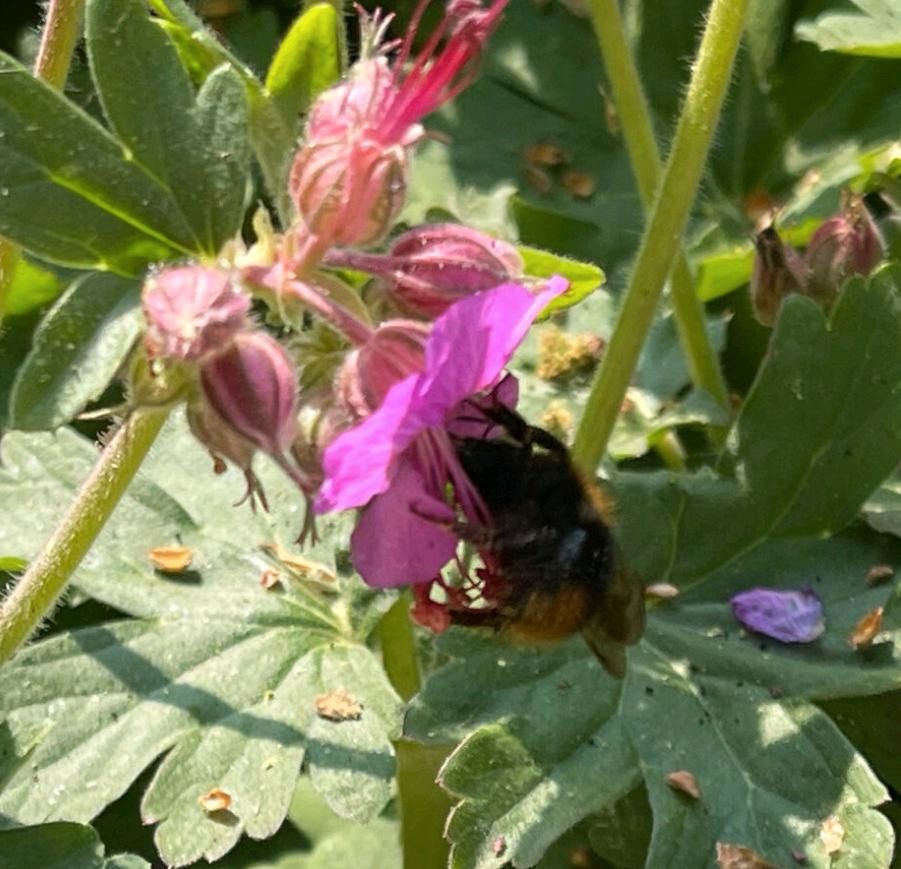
[(789, 616), (473, 341), (402, 537), (358, 462)]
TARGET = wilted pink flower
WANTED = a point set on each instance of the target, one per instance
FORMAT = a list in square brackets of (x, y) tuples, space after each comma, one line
[(792, 616), (778, 272), (349, 178), (399, 461), (428, 268), (191, 311)]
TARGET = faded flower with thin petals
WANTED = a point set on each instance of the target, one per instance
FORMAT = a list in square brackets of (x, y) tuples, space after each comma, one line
[(790, 616), (191, 312), (398, 462), (349, 178)]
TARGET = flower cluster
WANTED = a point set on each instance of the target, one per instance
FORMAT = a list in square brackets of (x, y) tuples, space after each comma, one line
[(848, 244), (360, 399)]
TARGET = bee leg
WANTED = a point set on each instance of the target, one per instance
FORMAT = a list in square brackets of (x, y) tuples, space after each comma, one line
[(521, 431)]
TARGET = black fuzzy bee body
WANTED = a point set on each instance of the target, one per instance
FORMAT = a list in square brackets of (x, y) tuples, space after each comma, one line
[(551, 543)]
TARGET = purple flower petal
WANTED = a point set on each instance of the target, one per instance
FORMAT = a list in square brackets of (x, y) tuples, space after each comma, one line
[(401, 537), (788, 616), (472, 342), (466, 352)]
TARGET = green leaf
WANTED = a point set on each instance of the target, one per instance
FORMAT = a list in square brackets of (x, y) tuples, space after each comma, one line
[(60, 846), (511, 807), (820, 429), (584, 278), (273, 141), (188, 149), (222, 120), (877, 32), (76, 351), (218, 676), (71, 192), (882, 509), (31, 288), (307, 61), (769, 771)]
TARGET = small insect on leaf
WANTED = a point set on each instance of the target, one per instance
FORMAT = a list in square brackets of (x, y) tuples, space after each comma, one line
[(215, 800), (171, 559), (682, 780), (544, 154), (498, 846), (879, 573), (730, 856), (866, 629), (338, 705), (832, 834)]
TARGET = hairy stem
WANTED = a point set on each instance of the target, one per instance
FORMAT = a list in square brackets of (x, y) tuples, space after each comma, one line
[(634, 116), (62, 28), (35, 593), (666, 222), (423, 805)]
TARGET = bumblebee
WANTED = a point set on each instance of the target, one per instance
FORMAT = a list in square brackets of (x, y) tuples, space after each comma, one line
[(550, 546)]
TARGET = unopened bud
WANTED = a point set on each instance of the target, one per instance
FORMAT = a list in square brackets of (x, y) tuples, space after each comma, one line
[(429, 268), (191, 311), (845, 245), (778, 271), (252, 385), (348, 193), (395, 350)]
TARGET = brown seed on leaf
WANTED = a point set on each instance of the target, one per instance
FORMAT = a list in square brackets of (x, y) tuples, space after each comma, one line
[(544, 154), (682, 780), (538, 180), (216, 800), (879, 573), (832, 834), (730, 856), (661, 590), (866, 629), (338, 705), (170, 559), (269, 578), (580, 184)]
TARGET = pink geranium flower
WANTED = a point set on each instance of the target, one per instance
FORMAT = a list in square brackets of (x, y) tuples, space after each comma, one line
[(397, 463)]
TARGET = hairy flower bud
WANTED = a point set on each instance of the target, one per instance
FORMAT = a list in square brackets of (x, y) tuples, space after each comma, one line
[(396, 349), (252, 385), (778, 271), (349, 192), (429, 268), (191, 312), (845, 245)]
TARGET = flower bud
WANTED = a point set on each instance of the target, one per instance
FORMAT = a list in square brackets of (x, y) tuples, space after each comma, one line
[(252, 385), (348, 192), (191, 312), (430, 267), (845, 245), (778, 271), (396, 349)]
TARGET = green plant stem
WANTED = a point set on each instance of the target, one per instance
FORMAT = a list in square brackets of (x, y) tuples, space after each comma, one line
[(423, 805), (62, 28), (35, 593), (635, 120), (666, 222)]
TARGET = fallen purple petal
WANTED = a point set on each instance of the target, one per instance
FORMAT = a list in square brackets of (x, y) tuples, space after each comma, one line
[(794, 616)]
